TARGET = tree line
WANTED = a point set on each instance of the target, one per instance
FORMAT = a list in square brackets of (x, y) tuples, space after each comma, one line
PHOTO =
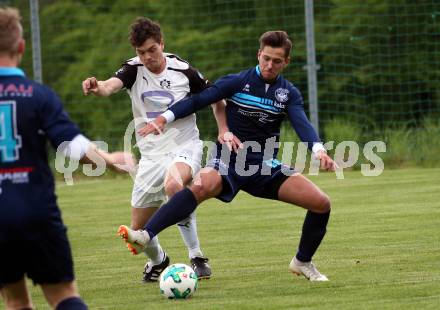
[(379, 60)]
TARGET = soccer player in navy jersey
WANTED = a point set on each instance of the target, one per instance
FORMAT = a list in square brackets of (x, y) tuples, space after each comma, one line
[(33, 239), (258, 99)]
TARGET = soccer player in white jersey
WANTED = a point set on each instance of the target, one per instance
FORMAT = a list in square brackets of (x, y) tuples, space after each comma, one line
[(154, 81)]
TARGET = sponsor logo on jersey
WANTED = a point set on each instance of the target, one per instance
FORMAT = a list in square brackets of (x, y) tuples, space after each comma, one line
[(14, 90), (282, 94), (247, 88), (158, 98), (262, 117), (18, 175), (279, 105)]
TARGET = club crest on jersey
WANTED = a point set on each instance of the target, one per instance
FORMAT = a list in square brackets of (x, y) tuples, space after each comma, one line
[(165, 84), (281, 94)]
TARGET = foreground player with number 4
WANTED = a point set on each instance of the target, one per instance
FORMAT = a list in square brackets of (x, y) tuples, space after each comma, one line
[(257, 101), (33, 238)]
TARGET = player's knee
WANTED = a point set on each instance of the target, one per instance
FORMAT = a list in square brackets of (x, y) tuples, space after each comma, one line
[(199, 191), (324, 204), (203, 191), (172, 187)]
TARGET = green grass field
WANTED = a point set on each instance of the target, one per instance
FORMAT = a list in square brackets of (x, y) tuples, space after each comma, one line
[(382, 249)]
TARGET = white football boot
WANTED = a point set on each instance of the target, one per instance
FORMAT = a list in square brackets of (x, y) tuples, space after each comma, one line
[(308, 270), (136, 239)]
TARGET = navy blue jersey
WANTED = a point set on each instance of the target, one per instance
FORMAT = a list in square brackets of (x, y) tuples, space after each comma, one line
[(30, 115), (255, 109)]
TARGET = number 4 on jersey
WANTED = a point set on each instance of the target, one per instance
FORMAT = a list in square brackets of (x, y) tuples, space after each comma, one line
[(10, 141)]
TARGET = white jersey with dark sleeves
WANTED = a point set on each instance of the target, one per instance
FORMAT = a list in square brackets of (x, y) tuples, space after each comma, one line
[(151, 94)]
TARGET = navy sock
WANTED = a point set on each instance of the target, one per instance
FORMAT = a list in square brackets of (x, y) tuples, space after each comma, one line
[(72, 303), (313, 231), (178, 208)]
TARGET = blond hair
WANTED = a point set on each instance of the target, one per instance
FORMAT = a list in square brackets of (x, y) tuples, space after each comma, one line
[(11, 31)]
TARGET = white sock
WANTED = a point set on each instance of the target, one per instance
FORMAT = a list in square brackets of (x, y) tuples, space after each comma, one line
[(188, 230), (154, 251)]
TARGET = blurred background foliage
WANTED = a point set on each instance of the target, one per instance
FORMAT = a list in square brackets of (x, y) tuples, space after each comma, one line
[(379, 60)]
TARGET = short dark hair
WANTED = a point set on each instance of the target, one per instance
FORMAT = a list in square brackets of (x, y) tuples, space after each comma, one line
[(276, 39), (143, 29)]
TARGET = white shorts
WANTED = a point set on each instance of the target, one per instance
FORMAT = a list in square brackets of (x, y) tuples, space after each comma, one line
[(149, 182)]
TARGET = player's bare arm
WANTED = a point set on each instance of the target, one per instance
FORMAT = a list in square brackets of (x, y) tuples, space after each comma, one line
[(82, 149), (225, 136), (121, 162), (101, 88)]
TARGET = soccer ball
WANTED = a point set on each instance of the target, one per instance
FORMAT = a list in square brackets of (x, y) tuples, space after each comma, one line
[(178, 281)]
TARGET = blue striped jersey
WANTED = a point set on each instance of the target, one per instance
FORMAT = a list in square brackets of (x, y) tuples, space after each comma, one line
[(255, 109)]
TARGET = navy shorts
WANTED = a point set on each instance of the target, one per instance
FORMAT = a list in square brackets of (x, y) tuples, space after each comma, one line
[(258, 177), (46, 259)]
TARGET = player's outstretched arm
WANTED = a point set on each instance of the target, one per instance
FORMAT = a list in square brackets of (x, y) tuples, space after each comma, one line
[(223, 88), (101, 88), (122, 162), (182, 109), (82, 149)]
